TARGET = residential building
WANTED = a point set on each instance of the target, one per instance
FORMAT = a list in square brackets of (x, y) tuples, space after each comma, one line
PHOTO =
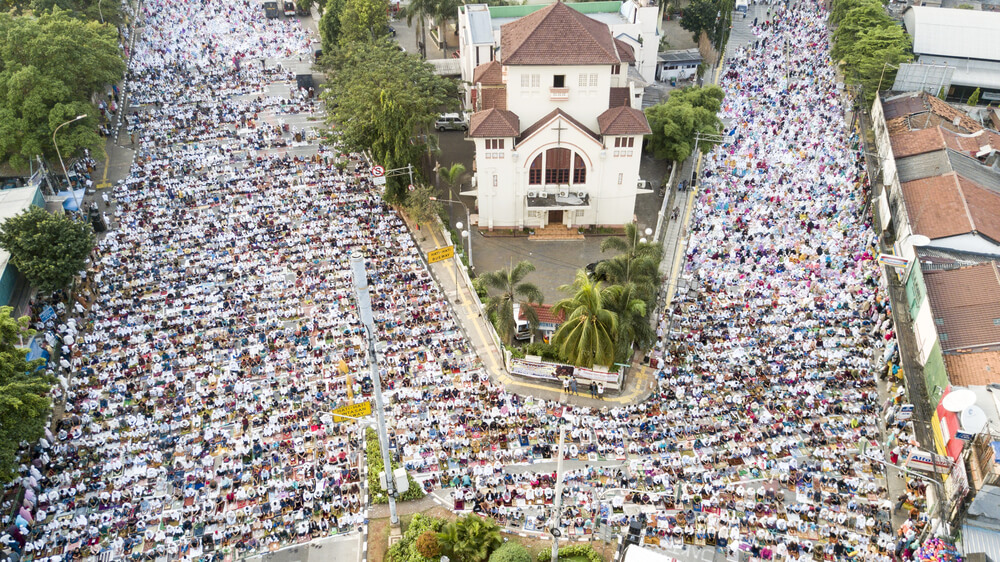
[(556, 119)]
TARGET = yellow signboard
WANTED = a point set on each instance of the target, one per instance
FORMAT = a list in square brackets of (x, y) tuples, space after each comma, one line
[(359, 410), (440, 254)]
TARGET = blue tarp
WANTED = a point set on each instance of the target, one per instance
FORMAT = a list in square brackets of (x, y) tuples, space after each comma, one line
[(35, 351), (70, 203)]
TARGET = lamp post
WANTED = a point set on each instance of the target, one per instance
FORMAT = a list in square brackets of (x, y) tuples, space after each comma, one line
[(61, 163), (468, 221)]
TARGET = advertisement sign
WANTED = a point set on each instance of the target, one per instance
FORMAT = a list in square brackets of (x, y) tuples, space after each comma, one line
[(599, 376), (928, 462), (534, 369), (905, 412), (893, 261)]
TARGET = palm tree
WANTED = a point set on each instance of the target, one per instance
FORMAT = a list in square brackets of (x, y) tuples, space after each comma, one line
[(590, 331), (421, 9), (500, 308), (638, 263), (470, 538), (633, 321), (452, 175)]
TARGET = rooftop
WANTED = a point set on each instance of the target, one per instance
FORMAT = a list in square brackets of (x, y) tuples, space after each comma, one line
[(544, 312), (951, 32), (494, 123), (557, 34), (973, 368), (965, 304), (680, 56), (623, 120), (488, 74)]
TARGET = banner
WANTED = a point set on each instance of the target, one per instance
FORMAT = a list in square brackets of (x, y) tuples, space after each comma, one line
[(534, 369), (599, 376)]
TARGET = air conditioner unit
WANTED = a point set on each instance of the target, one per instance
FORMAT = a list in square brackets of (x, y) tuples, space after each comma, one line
[(581, 194), (532, 193), (563, 192), (543, 194)]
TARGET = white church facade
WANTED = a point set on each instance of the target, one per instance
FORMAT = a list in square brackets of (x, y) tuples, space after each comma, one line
[(556, 119)]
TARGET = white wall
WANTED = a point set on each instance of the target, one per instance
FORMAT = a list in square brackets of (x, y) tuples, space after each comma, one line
[(925, 330), (967, 243), (534, 102)]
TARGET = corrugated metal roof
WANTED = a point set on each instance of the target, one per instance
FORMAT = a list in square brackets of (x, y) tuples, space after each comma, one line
[(480, 27), (952, 32), (684, 55), (976, 539), (978, 73)]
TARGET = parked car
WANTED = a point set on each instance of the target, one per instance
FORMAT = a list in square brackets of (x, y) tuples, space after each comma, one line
[(289, 9), (451, 122), (271, 10)]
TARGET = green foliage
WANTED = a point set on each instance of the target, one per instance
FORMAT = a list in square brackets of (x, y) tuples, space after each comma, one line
[(373, 452), (840, 9), (864, 17), (87, 10), (572, 551), (511, 551), (329, 24), (363, 20), (699, 16), (406, 549), (482, 291), (543, 350), (24, 401), (420, 207), (974, 98), (675, 122), (589, 334), (636, 277), (500, 307), (379, 99), (874, 58), (50, 66), (469, 538), (48, 249), (965, 7), (452, 175)]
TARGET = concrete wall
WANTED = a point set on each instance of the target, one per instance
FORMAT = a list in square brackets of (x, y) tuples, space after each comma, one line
[(533, 102)]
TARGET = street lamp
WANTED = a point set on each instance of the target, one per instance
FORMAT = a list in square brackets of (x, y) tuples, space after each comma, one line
[(61, 163), (468, 221), (458, 261)]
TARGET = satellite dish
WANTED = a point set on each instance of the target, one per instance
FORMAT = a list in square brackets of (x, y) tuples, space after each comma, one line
[(918, 240), (973, 419), (958, 400)]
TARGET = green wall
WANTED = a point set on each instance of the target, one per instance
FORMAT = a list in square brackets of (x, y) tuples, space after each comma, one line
[(935, 375)]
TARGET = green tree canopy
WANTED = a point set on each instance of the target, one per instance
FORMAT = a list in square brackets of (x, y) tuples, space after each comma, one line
[(50, 66), (876, 55), (470, 538), (840, 8), (380, 99), (590, 331), (420, 207), (329, 24), (508, 282), (24, 401), (699, 16), (363, 20), (48, 249), (858, 20), (676, 121)]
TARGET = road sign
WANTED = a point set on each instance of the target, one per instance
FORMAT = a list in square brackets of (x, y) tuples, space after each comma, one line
[(378, 171), (440, 254), (378, 180), (359, 410), (411, 187), (928, 462), (893, 261), (905, 412)]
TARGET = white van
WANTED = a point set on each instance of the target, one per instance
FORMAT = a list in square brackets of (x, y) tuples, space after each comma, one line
[(523, 331), (742, 5)]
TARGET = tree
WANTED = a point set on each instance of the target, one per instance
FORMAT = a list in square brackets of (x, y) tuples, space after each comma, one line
[(634, 328), (700, 16), (420, 207), (873, 61), (840, 8), (588, 335), (48, 249), (329, 24), (421, 10), (974, 98), (24, 401), (427, 544), (500, 307), (363, 20), (381, 99), (86, 10), (50, 66), (511, 551), (676, 121), (453, 174), (638, 263), (865, 17), (470, 538)]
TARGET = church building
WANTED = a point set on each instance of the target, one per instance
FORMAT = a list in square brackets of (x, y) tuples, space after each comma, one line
[(556, 118)]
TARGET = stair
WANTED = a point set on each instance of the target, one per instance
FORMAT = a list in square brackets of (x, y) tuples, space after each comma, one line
[(555, 232)]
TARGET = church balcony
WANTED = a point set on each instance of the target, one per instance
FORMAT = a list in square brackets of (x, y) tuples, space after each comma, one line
[(558, 94), (539, 199)]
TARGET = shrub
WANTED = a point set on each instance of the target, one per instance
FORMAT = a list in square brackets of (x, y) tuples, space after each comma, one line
[(406, 550), (572, 551), (510, 551), (373, 452), (544, 350), (427, 545)]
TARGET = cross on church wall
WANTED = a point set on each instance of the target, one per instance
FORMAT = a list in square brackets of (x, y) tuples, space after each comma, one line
[(559, 129)]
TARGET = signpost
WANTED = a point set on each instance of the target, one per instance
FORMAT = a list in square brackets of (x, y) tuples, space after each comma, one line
[(929, 462), (359, 410), (440, 254), (893, 261), (905, 412), (378, 171)]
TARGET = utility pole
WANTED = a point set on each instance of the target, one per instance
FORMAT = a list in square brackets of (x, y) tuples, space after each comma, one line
[(365, 311), (556, 529)]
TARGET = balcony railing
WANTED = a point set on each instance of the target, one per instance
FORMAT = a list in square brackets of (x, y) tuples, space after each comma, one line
[(558, 94)]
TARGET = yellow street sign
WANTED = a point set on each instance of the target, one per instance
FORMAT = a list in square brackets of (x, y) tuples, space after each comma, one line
[(359, 410), (440, 254)]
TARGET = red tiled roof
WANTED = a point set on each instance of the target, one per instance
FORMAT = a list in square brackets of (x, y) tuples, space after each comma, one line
[(951, 205), (973, 368), (984, 208), (549, 118), (493, 98), (544, 312), (618, 97), (625, 51), (494, 123), (911, 143), (488, 74), (623, 120), (971, 144), (965, 303), (557, 34)]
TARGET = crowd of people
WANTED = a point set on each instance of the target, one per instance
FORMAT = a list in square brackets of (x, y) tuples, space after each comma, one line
[(223, 332)]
